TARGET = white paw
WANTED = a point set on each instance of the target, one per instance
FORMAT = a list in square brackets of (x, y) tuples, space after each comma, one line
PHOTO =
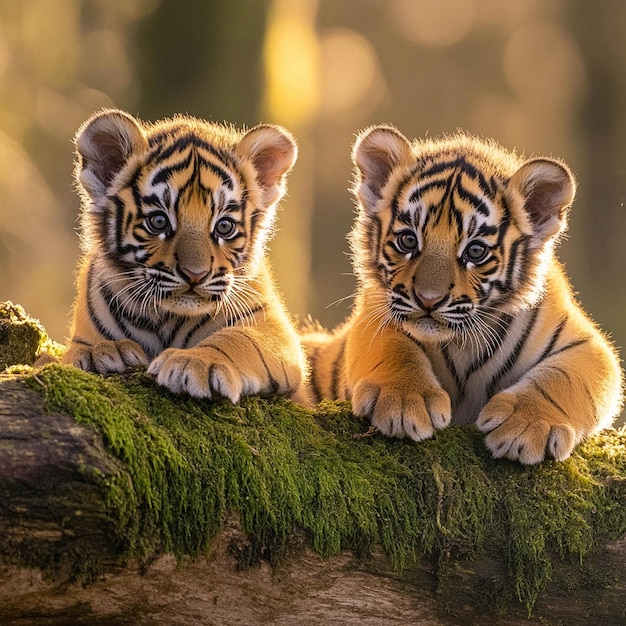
[(525, 428), (401, 412), (202, 373), (106, 357)]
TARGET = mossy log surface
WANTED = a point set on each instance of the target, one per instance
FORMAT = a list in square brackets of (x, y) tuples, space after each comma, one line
[(121, 503)]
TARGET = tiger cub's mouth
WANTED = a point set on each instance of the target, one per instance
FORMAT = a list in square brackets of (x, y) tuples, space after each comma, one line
[(193, 302), (427, 327)]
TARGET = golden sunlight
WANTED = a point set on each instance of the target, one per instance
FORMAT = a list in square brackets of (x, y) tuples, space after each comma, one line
[(291, 59)]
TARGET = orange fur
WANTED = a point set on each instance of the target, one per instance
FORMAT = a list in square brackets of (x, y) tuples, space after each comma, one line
[(174, 274), (462, 313)]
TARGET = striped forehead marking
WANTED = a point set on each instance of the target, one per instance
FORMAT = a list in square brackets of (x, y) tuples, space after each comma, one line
[(442, 193), (175, 169)]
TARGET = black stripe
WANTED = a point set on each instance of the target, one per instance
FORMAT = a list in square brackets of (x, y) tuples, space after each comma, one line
[(418, 343), (223, 353), (441, 166), (501, 329), (337, 369), (486, 229), (223, 155), (192, 331), (514, 252), (219, 171), (273, 383), (81, 342), (592, 402), (166, 171), (549, 398), (569, 346), (161, 152), (503, 227), (476, 203), (421, 189), (315, 387), (555, 337), (460, 383), (288, 385), (102, 329), (374, 235), (124, 322), (506, 287), (121, 221), (451, 183), (232, 321), (514, 355)]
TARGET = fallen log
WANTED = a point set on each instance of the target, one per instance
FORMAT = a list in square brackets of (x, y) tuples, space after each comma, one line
[(121, 503)]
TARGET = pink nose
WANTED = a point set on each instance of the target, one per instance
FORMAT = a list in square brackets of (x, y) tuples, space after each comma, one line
[(193, 278), (430, 302)]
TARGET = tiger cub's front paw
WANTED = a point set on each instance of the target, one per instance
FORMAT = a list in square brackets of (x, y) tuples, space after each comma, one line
[(397, 411), (202, 373), (105, 357), (526, 427)]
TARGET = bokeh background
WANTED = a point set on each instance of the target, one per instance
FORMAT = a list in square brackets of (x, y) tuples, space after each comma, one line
[(547, 77)]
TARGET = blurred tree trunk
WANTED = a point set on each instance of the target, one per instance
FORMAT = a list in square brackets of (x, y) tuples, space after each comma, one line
[(599, 30), (204, 59), (233, 60)]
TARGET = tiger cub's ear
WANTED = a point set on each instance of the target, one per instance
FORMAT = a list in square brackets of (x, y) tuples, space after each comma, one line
[(548, 189), (273, 152), (376, 153), (104, 144)]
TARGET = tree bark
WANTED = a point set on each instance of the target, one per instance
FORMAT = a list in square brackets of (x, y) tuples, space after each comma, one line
[(53, 507)]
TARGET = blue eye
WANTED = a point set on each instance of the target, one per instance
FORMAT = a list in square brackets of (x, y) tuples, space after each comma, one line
[(475, 252), (157, 223)]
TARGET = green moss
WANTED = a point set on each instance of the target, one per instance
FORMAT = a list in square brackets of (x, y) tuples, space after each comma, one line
[(22, 338), (281, 468)]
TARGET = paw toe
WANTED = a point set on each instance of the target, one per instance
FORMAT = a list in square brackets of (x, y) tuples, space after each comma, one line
[(561, 441), (439, 408), (364, 397), (223, 380), (497, 411)]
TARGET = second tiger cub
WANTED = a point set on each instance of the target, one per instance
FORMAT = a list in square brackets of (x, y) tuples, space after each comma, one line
[(462, 313), (174, 275)]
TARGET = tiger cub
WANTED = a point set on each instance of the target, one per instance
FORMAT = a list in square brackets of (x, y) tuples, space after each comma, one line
[(462, 312), (174, 275)]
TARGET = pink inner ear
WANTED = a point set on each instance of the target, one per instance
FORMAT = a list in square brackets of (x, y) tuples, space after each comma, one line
[(376, 154), (111, 156), (268, 165), (377, 171), (544, 202), (271, 164)]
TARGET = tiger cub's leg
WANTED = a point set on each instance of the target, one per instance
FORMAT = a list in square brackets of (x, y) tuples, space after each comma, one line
[(557, 404), (392, 382), (88, 349), (235, 362), (104, 356)]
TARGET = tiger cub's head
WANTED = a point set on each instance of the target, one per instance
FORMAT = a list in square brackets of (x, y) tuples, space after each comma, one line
[(179, 211), (451, 233)]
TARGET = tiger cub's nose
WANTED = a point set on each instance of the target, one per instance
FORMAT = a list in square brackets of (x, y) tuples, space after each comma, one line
[(193, 278), (431, 301)]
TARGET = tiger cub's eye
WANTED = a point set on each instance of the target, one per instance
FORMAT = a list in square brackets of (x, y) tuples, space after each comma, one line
[(407, 242), (225, 228), (475, 252), (157, 223)]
